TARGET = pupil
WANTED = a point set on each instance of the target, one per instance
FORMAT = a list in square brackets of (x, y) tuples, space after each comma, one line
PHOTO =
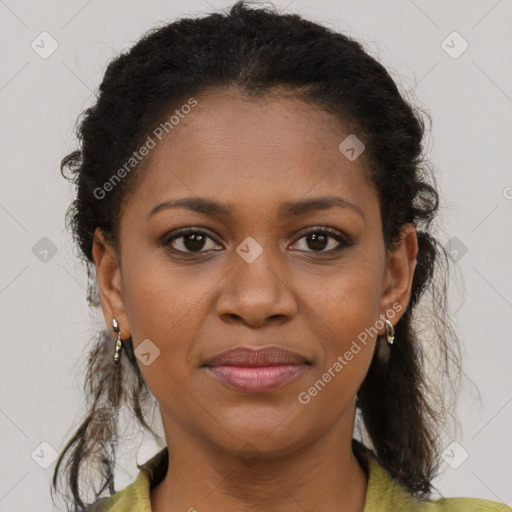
[(194, 242), (319, 241)]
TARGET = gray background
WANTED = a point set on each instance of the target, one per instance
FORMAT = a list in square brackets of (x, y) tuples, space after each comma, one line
[(45, 319)]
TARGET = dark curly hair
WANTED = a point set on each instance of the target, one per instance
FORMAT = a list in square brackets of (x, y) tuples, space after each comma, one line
[(402, 408)]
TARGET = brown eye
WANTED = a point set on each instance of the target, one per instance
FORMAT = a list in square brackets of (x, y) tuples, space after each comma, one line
[(320, 239), (190, 240)]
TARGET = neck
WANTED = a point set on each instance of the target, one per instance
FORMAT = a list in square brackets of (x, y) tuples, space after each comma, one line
[(323, 476)]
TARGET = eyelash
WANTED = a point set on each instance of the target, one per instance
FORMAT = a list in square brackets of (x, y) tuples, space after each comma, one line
[(343, 241)]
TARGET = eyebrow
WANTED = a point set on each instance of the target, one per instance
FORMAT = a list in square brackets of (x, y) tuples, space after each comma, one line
[(286, 209)]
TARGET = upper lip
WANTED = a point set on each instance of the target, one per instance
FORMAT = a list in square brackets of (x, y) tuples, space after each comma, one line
[(250, 356)]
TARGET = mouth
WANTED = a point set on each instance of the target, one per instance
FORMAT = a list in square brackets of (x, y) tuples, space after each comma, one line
[(256, 370)]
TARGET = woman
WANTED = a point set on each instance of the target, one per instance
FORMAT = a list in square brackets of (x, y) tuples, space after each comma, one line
[(252, 195)]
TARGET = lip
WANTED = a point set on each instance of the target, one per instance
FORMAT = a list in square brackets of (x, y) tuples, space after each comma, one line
[(256, 379), (256, 370)]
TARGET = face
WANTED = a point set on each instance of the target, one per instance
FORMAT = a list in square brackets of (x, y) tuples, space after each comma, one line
[(270, 265)]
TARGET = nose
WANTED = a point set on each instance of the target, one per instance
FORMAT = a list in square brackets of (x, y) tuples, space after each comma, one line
[(256, 293)]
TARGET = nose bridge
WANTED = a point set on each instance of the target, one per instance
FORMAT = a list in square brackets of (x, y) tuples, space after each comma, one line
[(256, 288), (254, 263)]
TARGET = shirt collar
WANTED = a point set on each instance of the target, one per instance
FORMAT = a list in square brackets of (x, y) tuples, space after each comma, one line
[(383, 493)]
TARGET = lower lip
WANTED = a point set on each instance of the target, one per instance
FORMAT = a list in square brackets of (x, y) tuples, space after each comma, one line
[(258, 378)]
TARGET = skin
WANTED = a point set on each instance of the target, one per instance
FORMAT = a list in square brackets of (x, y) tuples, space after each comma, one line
[(253, 154)]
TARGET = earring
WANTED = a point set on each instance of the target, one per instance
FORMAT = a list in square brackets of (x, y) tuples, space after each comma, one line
[(390, 332), (119, 342)]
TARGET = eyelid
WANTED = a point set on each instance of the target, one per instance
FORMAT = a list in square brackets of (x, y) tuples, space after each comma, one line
[(180, 232), (344, 241), (335, 233)]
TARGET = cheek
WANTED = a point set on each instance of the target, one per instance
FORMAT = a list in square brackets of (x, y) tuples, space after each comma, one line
[(163, 301), (347, 349), (165, 310), (345, 301), (344, 311)]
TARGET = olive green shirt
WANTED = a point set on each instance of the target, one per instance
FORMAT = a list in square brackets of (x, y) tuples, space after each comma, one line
[(382, 495)]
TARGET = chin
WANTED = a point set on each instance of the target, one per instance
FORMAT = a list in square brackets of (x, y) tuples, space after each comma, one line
[(267, 438)]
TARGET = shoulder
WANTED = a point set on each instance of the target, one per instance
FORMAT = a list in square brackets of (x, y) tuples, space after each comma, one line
[(466, 505), (102, 505), (136, 496), (386, 495), (124, 500)]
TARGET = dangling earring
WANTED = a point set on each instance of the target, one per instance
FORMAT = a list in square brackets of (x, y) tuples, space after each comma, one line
[(390, 332), (119, 342)]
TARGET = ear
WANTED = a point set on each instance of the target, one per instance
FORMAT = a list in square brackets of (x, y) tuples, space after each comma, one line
[(110, 284), (401, 263)]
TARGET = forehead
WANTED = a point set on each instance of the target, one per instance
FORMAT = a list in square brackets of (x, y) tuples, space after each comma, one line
[(241, 150)]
